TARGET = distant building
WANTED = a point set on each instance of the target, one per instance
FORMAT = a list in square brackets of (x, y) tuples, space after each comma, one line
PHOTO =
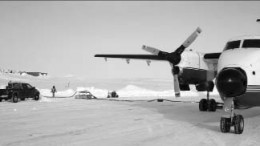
[(37, 74), (9, 71)]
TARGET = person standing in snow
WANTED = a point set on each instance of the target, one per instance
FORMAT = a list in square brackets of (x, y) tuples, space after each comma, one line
[(53, 91)]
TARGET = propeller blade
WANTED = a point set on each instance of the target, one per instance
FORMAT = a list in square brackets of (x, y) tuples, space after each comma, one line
[(175, 72), (176, 86), (189, 41), (151, 50)]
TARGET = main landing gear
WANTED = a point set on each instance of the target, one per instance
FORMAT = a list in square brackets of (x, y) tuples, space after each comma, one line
[(208, 104), (226, 122)]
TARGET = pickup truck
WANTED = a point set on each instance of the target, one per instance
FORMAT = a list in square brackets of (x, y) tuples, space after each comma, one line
[(16, 91)]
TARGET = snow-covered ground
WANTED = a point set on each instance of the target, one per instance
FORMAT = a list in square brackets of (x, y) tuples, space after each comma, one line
[(69, 121), (135, 118)]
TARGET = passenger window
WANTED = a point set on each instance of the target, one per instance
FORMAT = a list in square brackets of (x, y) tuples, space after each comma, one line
[(9, 86), (253, 43), (29, 86), (16, 86), (24, 86), (232, 45)]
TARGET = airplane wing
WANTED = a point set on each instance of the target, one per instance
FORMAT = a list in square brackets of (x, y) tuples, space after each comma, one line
[(212, 58), (174, 58), (132, 56), (209, 57)]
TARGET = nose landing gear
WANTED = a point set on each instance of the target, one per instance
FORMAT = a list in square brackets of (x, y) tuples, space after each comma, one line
[(226, 122)]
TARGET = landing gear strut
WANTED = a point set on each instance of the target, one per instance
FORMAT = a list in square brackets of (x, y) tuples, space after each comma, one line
[(226, 122), (208, 104)]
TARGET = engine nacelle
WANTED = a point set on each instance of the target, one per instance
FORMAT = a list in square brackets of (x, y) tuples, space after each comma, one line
[(184, 87)]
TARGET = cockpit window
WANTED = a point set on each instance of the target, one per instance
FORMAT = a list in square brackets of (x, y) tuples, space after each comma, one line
[(232, 45), (253, 43)]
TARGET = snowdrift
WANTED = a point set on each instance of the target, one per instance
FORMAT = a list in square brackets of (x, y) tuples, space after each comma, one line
[(130, 92), (126, 88)]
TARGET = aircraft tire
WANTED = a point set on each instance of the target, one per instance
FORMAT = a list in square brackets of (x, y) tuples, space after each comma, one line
[(203, 105), (212, 105), (0, 99), (225, 124), (238, 124)]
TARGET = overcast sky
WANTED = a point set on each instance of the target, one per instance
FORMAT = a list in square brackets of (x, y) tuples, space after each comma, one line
[(62, 37)]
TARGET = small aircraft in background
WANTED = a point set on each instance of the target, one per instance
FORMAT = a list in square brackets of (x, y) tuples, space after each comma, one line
[(236, 72)]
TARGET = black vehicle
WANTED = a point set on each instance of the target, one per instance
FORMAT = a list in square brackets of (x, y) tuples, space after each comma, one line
[(17, 90), (112, 94)]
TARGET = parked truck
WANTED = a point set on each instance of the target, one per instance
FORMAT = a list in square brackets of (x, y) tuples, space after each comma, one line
[(16, 91)]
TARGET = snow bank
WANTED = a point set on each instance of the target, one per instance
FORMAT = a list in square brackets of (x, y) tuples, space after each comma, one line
[(135, 91), (68, 85), (45, 99), (100, 93), (128, 91), (65, 93)]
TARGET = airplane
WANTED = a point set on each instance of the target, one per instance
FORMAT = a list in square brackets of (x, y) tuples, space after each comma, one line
[(235, 71)]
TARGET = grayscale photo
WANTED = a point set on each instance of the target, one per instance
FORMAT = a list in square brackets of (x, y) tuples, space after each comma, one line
[(129, 73)]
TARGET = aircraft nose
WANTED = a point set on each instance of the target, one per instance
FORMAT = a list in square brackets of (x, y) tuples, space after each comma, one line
[(231, 82)]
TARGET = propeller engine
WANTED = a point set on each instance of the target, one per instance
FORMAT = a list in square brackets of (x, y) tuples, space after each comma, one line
[(174, 58)]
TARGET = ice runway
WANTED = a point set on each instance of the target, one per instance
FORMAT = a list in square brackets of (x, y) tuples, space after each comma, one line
[(118, 123)]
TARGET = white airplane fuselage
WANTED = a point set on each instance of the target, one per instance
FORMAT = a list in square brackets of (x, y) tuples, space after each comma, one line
[(241, 65), (247, 59), (238, 62)]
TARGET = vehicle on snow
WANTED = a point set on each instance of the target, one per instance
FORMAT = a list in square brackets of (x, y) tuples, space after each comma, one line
[(112, 94), (16, 91), (84, 95)]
